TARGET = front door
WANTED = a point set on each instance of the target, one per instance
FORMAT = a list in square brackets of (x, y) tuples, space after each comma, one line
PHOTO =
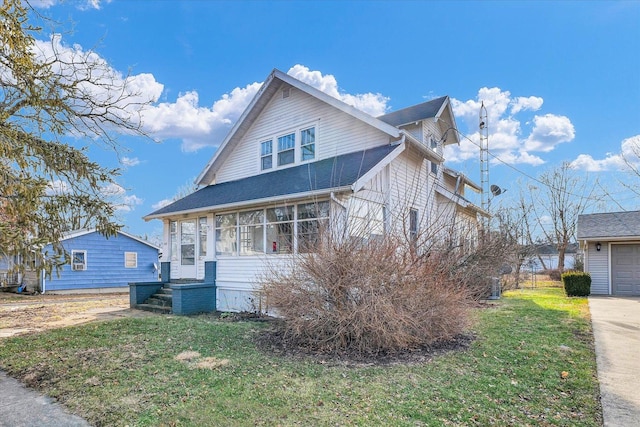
[(188, 249)]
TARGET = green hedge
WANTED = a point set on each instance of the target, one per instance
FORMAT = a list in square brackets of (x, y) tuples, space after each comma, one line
[(576, 283)]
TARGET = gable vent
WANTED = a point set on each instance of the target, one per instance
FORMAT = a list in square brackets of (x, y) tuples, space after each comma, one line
[(285, 93)]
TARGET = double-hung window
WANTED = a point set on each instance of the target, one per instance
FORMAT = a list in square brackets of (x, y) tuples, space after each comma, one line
[(286, 149), (266, 155), (307, 144)]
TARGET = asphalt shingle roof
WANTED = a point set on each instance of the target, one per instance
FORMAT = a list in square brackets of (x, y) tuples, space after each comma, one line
[(614, 224), (414, 113), (324, 174)]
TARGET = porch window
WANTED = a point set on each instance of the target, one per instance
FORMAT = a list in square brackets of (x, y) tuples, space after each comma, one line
[(173, 240), (286, 149), (312, 218), (308, 143), (203, 228), (266, 155), (226, 240), (251, 225), (78, 260), (280, 230)]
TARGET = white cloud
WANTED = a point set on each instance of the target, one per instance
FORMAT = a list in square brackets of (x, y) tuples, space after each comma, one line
[(629, 152), (93, 4), (161, 204), (548, 131), (113, 189), (42, 4), (196, 125), (508, 119), (374, 104), (57, 187), (521, 103), (130, 161)]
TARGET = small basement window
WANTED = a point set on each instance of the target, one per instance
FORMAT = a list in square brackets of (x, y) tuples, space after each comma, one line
[(78, 260), (130, 260)]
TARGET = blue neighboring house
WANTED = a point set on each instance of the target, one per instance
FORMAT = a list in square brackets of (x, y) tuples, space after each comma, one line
[(100, 264)]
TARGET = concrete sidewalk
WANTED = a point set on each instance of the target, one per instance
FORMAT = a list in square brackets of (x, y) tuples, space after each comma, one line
[(616, 330), (23, 407)]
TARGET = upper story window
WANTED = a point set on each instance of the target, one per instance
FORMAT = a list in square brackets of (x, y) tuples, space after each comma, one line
[(294, 147), (286, 149), (308, 143), (266, 155)]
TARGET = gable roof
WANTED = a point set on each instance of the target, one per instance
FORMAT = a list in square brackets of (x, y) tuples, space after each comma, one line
[(613, 225), (414, 113), (272, 84), (332, 174), (85, 231), (433, 109)]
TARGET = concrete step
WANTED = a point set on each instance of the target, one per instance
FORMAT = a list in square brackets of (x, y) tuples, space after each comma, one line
[(162, 302), (154, 308), (164, 291)]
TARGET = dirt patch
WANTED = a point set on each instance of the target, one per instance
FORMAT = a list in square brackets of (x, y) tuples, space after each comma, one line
[(273, 341), (23, 314)]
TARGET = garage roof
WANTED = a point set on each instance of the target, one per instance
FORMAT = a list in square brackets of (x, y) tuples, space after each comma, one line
[(609, 225)]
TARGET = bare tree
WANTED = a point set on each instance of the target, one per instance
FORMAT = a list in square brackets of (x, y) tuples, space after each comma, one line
[(54, 104), (556, 205)]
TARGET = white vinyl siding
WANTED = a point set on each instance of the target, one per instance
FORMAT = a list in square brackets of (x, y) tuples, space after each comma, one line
[(340, 133), (598, 267)]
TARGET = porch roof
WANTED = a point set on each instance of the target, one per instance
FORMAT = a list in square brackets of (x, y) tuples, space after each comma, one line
[(327, 174)]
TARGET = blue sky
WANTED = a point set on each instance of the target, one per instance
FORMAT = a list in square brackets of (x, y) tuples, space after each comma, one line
[(561, 80)]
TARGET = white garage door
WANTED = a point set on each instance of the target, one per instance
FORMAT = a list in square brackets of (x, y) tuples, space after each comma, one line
[(625, 270)]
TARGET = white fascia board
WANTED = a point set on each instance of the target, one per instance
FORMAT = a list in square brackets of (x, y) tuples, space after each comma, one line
[(460, 201), (425, 151), (209, 168), (79, 233), (255, 202), (334, 102), (362, 181), (629, 239), (450, 121), (465, 179)]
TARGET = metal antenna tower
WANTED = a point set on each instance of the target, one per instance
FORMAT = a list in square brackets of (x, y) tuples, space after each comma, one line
[(484, 158)]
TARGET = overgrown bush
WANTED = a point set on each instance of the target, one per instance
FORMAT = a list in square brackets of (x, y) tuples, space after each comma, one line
[(368, 297), (576, 284)]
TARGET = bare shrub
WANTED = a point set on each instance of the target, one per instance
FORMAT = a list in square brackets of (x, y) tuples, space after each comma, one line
[(368, 296)]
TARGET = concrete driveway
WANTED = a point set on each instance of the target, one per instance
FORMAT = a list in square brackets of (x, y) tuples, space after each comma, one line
[(616, 329)]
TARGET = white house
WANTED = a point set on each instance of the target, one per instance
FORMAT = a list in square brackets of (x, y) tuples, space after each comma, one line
[(610, 243), (298, 156)]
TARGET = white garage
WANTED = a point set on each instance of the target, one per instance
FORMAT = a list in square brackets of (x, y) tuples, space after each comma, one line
[(610, 243)]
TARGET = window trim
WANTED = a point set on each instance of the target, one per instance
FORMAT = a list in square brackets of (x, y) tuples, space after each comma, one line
[(135, 259), (297, 147), (75, 265), (266, 156)]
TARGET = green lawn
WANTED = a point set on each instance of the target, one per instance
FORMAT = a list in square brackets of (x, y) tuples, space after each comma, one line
[(136, 372)]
